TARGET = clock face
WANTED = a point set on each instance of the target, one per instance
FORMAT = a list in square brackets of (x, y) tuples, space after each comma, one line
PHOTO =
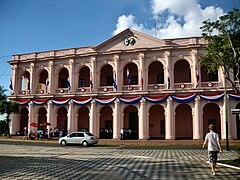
[(126, 42), (129, 41)]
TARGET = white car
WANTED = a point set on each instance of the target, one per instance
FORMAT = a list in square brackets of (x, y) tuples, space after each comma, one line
[(84, 138)]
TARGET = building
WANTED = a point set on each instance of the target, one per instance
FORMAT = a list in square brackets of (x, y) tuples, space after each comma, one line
[(156, 88)]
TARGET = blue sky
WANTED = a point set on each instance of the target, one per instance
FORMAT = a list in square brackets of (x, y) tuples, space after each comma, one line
[(39, 25)]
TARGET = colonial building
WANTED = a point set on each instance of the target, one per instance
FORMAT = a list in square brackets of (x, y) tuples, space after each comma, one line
[(154, 88)]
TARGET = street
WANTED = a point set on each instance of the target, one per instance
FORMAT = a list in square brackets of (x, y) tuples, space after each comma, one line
[(99, 162)]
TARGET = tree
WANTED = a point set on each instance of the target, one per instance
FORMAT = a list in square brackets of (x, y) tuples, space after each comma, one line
[(7, 107), (223, 50)]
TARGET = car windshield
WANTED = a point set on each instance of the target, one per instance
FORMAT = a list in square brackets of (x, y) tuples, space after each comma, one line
[(89, 134)]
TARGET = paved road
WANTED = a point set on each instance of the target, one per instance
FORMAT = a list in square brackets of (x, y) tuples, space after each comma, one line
[(77, 162)]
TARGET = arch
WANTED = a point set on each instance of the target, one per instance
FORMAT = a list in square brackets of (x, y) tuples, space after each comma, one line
[(83, 119), (156, 122), (131, 122), (62, 78), (182, 71), (133, 73), (211, 115), (84, 77), (206, 76), (43, 76), (42, 118), (156, 73), (106, 122), (62, 120), (106, 75), (25, 81), (183, 122), (24, 116), (238, 122)]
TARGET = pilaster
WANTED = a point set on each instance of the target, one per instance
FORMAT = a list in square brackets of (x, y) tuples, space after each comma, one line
[(116, 120), (170, 134), (142, 120)]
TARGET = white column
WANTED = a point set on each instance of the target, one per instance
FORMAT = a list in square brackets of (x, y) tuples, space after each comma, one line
[(197, 132), (50, 116), (116, 120), (31, 117), (93, 117), (141, 72), (51, 78), (32, 79), (71, 76), (194, 68), (14, 124), (94, 74), (168, 70), (170, 134), (142, 120), (223, 122), (14, 80), (70, 117)]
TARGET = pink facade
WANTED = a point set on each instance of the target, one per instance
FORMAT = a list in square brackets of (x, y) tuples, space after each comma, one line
[(134, 81)]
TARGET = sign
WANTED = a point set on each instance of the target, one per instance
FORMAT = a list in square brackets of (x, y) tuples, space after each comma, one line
[(235, 111)]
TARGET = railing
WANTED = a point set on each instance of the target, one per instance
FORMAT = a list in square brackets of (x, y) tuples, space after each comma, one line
[(183, 85), (24, 92), (106, 89), (210, 84), (83, 90), (131, 88), (62, 90), (155, 87), (41, 91)]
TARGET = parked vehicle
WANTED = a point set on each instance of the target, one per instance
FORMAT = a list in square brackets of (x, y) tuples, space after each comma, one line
[(83, 138)]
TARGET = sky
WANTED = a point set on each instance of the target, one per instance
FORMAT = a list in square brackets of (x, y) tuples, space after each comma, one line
[(28, 26)]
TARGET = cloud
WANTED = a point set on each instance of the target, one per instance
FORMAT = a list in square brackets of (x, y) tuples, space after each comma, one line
[(173, 19)]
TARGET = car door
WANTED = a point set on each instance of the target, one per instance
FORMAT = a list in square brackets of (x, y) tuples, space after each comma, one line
[(71, 138), (79, 137)]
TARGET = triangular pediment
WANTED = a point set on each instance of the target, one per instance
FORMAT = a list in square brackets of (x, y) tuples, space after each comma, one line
[(129, 40)]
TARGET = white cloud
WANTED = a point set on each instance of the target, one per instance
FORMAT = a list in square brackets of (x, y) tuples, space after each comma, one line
[(181, 19)]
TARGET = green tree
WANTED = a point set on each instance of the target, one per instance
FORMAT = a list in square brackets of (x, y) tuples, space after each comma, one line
[(223, 50), (7, 107)]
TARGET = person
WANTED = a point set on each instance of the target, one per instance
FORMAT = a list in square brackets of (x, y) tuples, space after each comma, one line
[(214, 147), (122, 134), (25, 133)]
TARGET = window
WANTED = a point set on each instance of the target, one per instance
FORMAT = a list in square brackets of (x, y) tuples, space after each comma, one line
[(213, 76), (160, 78), (80, 135), (109, 80), (82, 83), (134, 80)]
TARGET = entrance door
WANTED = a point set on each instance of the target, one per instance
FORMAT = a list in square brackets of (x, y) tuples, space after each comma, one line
[(133, 125)]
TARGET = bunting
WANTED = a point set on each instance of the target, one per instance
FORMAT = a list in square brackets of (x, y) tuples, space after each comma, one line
[(60, 102), (40, 102), (82, 102), (131, 100), (184, 99), (104, 101), (155, 99), (212, 98)]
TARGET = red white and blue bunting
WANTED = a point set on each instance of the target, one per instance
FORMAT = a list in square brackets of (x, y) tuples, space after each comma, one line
[(131, 100), (184, 99), (60, 102), (82, 102), (212, 98), (40, 102), (128, 100), (159, 99), (104, 101)]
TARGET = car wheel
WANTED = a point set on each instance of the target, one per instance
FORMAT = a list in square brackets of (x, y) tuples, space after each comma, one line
[(63, 143), (84, 143)]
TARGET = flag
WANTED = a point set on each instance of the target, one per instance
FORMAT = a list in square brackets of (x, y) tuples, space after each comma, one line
[(115, 81), (128, 77), (10, 85), (168, 80), (47, 84), (68, 84), (141, 81), (197, 77), (91, 82)]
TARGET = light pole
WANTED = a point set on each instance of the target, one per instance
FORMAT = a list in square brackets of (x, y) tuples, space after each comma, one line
[(226, 113)]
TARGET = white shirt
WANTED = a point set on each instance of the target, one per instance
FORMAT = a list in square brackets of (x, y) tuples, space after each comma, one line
[(212, 138)]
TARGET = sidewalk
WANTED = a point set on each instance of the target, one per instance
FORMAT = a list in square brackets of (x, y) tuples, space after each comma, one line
[(141, 143)]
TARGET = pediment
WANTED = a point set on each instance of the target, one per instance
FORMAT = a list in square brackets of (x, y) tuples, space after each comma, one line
[(129, 40)]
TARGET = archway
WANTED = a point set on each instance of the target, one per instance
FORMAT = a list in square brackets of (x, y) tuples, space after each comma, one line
[(42, 118), (156, 122), (182, 72), (156, 73), (183, 122), (106, 123), (211, 115), (63, 77), (23, 119), (83, 119), (62, 120), (25, 81), (84, 77), (131, 122), (106, 76), (43, 83), (133, 74)]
